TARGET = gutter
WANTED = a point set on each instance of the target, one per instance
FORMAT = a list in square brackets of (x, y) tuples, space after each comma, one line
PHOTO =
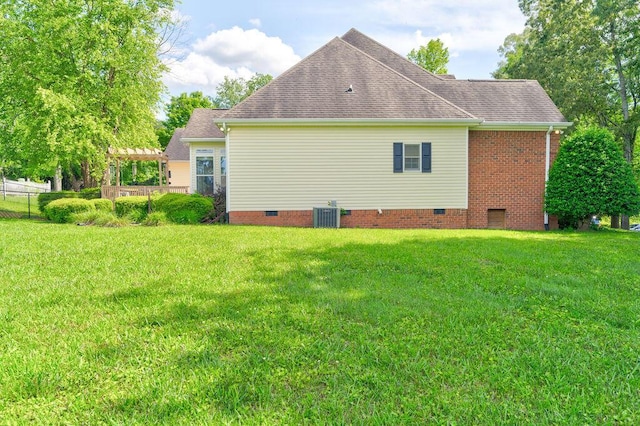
[(523, 126), (547, 164), (192, 140), (347, 121)]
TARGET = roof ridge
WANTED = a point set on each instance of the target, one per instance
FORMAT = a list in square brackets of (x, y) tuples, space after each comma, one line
[(376, 42), (407, 78)]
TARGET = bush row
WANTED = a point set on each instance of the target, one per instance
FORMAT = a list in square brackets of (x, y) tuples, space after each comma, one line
[(177, 208), (45, 198), (62, 209)]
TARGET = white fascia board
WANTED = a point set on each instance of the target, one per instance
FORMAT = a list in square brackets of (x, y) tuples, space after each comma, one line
[(349, 121), (188, 141), (523, 126)]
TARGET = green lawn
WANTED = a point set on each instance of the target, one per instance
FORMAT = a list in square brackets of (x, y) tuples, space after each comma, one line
[(20, 205), (250, 325)]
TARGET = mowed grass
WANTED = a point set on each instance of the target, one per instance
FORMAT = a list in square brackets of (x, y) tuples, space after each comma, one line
[(22, 205), (251, 325)]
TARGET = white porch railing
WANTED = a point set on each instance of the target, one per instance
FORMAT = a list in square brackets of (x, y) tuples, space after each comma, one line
[(113, 192)]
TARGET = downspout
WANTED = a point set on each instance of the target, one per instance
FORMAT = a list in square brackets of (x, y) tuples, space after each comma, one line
[(546, 172), (227, 191)]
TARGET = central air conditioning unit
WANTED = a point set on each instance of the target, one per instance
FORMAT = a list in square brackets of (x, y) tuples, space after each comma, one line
[(326, 217)]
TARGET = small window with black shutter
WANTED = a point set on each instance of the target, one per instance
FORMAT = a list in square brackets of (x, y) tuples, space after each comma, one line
[(412, 157)]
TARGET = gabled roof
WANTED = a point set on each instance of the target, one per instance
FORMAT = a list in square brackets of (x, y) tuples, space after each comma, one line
[(176, 150), (318, 88), (516, 101), (201, 125), (355, 78)]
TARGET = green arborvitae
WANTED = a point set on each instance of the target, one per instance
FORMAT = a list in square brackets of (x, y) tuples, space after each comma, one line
[(590, 177)]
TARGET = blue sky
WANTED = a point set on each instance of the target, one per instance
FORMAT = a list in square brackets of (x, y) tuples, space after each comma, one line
[(238, 38)]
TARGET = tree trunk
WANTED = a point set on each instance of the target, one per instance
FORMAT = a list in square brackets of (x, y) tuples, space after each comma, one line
[(57, 179), (615, 222), (624, 222), (87, 179)]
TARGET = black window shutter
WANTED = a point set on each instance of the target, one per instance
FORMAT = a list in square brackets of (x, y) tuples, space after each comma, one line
[(397, 157), (426, 157)]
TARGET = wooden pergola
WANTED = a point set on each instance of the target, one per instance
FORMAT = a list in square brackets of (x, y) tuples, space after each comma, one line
[(137, 154)]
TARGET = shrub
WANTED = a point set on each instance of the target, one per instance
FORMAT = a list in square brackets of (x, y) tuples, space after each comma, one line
[(184, 208), (102, 204), (135, 207), (155, 219), (60, 210), (590, 177), (219, 212), (99, 218), (44, 198), (90, 193)]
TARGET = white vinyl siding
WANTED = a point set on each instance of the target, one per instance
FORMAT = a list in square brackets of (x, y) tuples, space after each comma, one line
[(297, 168)]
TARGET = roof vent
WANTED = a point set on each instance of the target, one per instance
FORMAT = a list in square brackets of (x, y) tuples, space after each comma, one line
[(350, 89)]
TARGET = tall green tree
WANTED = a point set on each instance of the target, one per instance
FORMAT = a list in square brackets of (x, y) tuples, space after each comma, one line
[(433, 57), (178, 112), (232, 91), (590, 176), (584, 53), (78, 77)]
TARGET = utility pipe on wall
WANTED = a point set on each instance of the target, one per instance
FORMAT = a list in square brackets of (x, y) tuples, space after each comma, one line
[(546, 172)]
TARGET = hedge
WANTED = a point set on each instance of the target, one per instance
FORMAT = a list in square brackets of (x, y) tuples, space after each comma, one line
[(184, 208), (60, 210), (103, 204), (44, 198), (136, 206), (90, 193)]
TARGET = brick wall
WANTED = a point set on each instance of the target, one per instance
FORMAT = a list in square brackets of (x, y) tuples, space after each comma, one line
[(507, 171), (410, 218)]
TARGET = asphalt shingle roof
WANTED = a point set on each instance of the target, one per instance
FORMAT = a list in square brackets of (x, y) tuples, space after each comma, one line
[(317, 87), (520, 101), (201, 124), (385, 85), (176, 150)]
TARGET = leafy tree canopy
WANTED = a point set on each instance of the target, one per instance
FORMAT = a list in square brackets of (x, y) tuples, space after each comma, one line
[(78, 77), (433, 57), (179, 111), (232, 91), (590, 176), (584, 53)]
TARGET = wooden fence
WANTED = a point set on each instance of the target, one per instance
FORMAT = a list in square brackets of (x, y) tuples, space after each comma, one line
[(113, 192)]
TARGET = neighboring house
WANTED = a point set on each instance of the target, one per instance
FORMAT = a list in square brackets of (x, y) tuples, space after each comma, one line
[(206, 147), (178, 153), (394, 145)]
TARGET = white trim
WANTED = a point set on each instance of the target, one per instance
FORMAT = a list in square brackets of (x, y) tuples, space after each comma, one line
[(547, 165), (190, 140), (350, 121), (523, 126), (227, 151)]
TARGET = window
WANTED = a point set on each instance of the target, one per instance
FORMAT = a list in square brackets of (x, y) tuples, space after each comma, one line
[(204, 175), (412, 157), (223, 167)]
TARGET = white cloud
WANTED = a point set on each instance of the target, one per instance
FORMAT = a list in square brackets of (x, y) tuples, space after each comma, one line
[(253, 49), (255, 22), (464, 25), (231, 52)]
